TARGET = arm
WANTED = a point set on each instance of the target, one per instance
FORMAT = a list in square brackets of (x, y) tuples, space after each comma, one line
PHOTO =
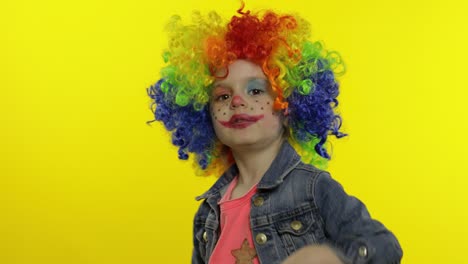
[(350, 227)]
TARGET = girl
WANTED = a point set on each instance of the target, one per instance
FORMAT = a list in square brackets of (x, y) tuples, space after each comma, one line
[(244, 100)]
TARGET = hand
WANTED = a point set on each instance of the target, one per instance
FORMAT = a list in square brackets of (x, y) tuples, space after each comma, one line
[(316, 254)]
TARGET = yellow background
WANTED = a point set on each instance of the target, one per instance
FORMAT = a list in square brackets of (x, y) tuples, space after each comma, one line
[(83, 179)]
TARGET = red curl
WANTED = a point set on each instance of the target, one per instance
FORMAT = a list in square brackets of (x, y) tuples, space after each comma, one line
[(254, 39)]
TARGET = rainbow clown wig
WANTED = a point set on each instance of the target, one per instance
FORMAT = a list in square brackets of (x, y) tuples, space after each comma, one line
[(301, 73)]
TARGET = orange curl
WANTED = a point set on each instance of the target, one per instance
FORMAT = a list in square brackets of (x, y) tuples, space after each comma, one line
[(272, 75)]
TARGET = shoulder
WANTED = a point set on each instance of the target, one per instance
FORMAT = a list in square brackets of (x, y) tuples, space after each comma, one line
[(308, 167), (317, 184), (312, 177), (307, 171)]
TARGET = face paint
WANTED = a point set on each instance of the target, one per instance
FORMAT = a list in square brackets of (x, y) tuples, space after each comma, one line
[(225, 99), (241, 121), (242, 108)]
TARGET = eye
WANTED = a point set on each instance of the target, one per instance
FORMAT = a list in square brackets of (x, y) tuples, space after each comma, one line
[(257, 86), (255, 92), (222, 97), (221, 94)]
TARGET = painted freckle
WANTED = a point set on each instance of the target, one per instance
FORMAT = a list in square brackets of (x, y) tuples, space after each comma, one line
[(262, 108), (268, 102), (224, 113), (251, 108)]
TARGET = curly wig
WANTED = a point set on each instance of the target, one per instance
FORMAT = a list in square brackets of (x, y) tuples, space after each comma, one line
[(301, 73)]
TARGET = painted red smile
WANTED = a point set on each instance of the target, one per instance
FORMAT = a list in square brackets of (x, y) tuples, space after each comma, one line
[(241, 121)]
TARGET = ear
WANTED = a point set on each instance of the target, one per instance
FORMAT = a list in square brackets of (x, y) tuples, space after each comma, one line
[(285, 117)]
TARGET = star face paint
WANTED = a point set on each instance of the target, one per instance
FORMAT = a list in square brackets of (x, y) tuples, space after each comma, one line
[(242, 106)]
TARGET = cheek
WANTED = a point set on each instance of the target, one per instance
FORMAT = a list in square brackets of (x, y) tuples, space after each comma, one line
[(219, 111), (264, 106), (273, 120)]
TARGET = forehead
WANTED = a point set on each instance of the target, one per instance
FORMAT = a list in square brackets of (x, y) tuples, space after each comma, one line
[(240, 71)]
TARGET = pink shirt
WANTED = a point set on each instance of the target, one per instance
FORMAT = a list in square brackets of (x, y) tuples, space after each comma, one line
[(235, 244)]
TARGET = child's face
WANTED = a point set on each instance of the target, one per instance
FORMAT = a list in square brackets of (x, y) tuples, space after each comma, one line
[(242, 107)]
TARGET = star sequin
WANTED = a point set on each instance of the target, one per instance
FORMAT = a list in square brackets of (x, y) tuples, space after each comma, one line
[(245, 254)]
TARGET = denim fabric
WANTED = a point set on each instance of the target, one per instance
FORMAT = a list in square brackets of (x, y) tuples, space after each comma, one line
[(294, 191)]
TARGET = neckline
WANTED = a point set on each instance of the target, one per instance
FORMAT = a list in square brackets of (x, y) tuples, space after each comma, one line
[(227, 196)]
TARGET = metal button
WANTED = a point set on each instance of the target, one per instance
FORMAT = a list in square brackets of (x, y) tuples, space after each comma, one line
[(296, 225), (258, 201), (362, 251), (261, 238), (205, 236)]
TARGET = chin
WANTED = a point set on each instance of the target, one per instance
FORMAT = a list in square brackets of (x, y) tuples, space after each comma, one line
[(246, 138), (242, 142), (250, 143)]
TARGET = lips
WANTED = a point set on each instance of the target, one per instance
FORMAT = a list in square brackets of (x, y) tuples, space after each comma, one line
[(241, 121)]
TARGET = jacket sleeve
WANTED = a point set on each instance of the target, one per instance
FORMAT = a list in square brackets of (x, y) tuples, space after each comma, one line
[(196, 254), (350, 227)]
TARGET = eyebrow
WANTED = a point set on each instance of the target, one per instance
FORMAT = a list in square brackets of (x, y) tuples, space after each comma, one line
[(250, 79), (263, 80)]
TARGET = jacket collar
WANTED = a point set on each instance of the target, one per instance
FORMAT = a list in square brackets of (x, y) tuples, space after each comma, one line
[(286, 160)]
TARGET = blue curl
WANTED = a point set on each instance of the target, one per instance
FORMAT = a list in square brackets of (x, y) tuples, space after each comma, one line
[(311, 115), (192, 130)]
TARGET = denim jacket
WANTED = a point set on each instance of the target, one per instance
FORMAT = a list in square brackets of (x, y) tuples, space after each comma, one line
[(297, 205)]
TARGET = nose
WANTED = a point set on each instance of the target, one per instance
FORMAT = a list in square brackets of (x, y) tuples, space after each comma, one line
[(238, 101)]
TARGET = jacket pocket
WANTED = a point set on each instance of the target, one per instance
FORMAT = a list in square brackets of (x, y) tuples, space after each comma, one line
[(297, 229)]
